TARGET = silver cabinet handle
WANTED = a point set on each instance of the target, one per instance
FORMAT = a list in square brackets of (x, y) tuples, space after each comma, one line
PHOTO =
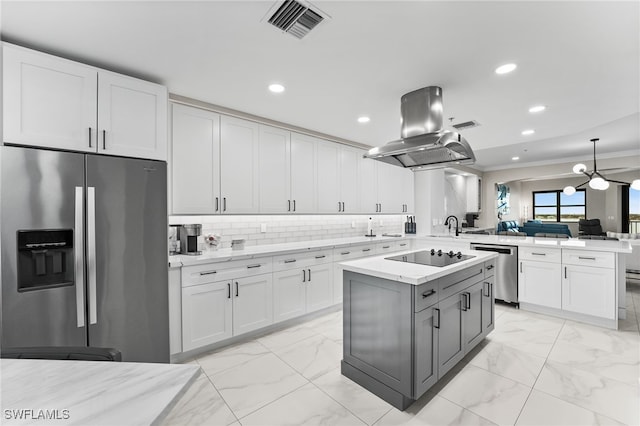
[(322, 256), (339, 206), (304, 276), (90, 137), (289, 260), (366, 249), (208, 273), (224, 204), (539, 254), (386, 247), (309, 274), (438, 316), (520, 267), (289, 205), (237, 293), (253, 266), (91, 255), (485, 288), (217, 204), (463, 305), (345, 253), (78, 254), (489, 267), (565, 272), (428, 293), (403, 244), (294, 205), (228, 290), (104, 139), (586, 258)]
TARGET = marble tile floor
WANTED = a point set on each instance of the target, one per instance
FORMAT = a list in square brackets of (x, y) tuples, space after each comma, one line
[(531, 370)]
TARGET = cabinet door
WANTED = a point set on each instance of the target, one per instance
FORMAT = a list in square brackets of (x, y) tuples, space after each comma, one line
[(303, 174), (195, 156), (206, 314), (239, 150), (288, 294), (274, 173), (48, 101), (589, 290), (319, 282), (472, 314), (367, 185), (132, 117), (348, 163), (252, 303), (450, 333), (426, 347), (488, 306), (327, 181), (539, 283), (390, 180)]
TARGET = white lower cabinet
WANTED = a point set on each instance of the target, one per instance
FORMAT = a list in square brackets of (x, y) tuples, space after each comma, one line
[(252, 306), (589, 290), (207, 314), (319, 287), (539, 283)]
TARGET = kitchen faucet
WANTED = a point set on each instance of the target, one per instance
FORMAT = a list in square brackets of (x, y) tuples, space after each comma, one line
[(446, 222)]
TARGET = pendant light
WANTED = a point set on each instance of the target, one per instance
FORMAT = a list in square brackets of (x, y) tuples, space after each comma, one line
[(596, 179)]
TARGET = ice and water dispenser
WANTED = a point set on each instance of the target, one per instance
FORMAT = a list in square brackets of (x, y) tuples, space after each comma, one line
[(45, 259)]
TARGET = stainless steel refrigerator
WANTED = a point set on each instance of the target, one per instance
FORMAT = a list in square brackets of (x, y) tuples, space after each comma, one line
[(84, 252)]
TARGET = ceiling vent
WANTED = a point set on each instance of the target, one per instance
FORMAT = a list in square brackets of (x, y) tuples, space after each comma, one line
[(465, 125), (295, 18)]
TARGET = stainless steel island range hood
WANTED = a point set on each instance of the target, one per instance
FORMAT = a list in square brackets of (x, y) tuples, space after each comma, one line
[(424, 144)]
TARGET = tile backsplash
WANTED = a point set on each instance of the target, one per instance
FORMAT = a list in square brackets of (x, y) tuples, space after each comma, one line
[(285, 228)]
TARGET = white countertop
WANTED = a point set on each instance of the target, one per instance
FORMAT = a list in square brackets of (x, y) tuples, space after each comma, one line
[(571, 243), (251, 252), (411, 273), (91, 392)]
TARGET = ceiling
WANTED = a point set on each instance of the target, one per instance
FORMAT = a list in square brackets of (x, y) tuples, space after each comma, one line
[(579, 58)]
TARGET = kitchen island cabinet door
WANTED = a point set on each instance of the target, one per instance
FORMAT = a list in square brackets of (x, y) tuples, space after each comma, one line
[(451, 342), (274, 174), (303, 174), (426, 341), (48, 101), (319, 284), (239, 152), (252, 303), (488, 306), (589, 290), (195, 154), (539, 283), (289, 294), (206, 314), (132, 117), (472, 314)]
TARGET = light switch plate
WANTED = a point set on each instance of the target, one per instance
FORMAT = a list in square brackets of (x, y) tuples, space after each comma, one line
[(263, 227), (353, 223)]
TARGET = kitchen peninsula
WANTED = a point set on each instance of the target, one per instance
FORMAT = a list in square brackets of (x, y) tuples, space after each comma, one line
[(410, 318)]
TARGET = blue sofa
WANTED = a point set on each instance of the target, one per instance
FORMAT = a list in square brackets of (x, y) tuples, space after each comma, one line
[(533, 227)]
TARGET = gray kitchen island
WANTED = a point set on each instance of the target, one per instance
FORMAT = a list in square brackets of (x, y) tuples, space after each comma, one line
[(409, 318)]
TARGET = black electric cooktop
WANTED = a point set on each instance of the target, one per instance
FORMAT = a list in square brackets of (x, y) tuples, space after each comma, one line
[(432, 257)]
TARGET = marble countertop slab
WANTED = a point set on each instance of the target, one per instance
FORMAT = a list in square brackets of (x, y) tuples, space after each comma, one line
[(90, 392), (411, 273)]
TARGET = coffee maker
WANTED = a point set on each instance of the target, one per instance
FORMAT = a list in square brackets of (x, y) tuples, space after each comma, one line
[(189, 239)]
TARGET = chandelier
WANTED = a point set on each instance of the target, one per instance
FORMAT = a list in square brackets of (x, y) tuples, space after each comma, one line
[(596, 179)]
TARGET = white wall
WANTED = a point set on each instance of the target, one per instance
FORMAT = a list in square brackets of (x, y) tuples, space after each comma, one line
[(429, 201)]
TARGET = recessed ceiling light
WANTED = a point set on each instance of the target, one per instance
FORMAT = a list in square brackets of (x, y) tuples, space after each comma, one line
[(506, 68), (276, 88), (528, 132), (515, 158), (363, 119), (537, 108)]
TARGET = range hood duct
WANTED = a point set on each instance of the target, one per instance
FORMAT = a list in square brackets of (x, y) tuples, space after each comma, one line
[(424, 144)]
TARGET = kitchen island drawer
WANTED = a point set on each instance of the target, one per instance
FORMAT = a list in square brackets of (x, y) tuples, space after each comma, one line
[(540, 254), (220, 271), (598, 259), (426, 295), (457, 281)]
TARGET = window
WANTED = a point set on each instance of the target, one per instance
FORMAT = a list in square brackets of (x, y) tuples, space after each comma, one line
[(630, 210), (555, 206)]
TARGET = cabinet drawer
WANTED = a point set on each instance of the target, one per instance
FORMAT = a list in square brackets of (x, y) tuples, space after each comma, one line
[(302, 259), (542, 254), (426, 295), (342, 254), (387, 247), (598, 259), (490, 268), (220, 271), (457, 281)]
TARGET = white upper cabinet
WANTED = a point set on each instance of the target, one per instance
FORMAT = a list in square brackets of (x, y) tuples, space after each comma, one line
[(367, 185), (390, 193), (195, 156), (348, 166), (303, 174), (132, 117), (48, 101), (56, 103), (274, 174), (239, 165), (328, 179)]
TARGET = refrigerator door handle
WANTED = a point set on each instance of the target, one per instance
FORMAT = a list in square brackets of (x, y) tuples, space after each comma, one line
[(79, 255), (91, 256)]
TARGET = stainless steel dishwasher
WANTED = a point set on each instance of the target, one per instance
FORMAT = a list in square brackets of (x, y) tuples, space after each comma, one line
[(506, 285)]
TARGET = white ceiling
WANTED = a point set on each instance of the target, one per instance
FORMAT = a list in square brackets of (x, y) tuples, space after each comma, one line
[(580, 58)]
